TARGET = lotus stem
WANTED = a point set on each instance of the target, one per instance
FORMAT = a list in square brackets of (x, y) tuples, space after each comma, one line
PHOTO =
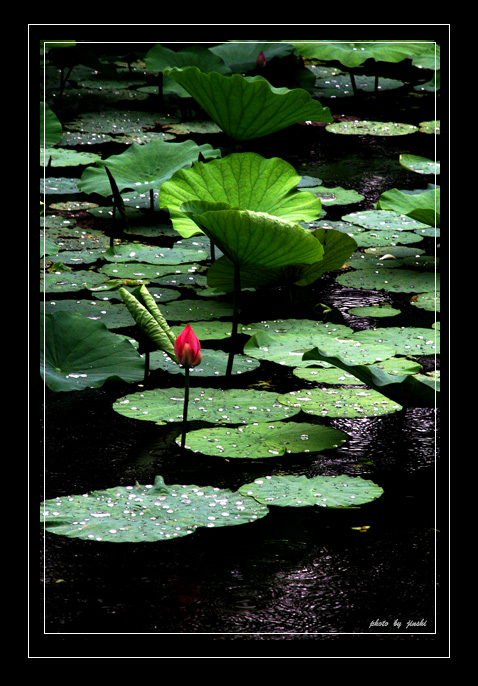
[(185, 409), (235, 317)]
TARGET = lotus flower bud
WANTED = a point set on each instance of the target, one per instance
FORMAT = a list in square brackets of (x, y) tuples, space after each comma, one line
[(187, 348), (260, 60)]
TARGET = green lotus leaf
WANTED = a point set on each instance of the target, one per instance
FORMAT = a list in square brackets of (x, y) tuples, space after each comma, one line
[(371, 128), (248, 107), (143, 167), (256, 238), (151, 513), (232, 406), (423, 206), (160, 58), (77, 353), (241, 57), (340, 402), (392, 280), (244, 180), (50, 126), (285, 342), (338, 247), (383, 220), (320, 491), (418, 164), (264, 439), (410, 340), (355, 53), (406, 389), (60, 157), (213, 363)]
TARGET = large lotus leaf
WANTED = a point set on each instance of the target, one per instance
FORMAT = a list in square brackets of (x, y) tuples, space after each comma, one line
[(245, 180), (354, 53), (160, 58), (50, 126), (263, 439), (340, 402), (156, 512), (77, 353), (233, 406), (256, 238), (143, 167), (248, 107), (405, 389), (423, 206), (241, 57), (338, 247), (322, 491)]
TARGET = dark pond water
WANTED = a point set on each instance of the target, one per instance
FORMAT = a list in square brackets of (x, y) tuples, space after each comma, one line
[(298, 575)]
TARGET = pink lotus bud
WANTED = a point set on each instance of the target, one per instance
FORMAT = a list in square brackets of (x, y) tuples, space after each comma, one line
[(188, 348), (261, 60)]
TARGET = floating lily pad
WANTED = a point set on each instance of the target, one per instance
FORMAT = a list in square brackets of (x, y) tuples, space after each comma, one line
[(340, 402), (337, 196), (428, 301), (152, 272), (327, 375), (248, 107), (388, 239), (420, 165), (60, 157), (380, 310), (320, 491), (393, 280), (77, 353), (285, 342), (197, 310), (112, 316), (411, 340), (58, 186), (233, 406), (371, 128), (407, 389), (264, 439), (213, 363), (113, 122), (151, 513), (383, 220), (340, 86), (68, 281)]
